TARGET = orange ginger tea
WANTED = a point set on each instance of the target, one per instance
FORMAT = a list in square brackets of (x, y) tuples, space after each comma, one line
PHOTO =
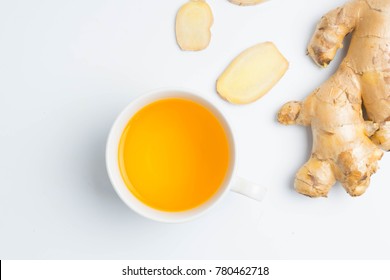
[(174, 154)]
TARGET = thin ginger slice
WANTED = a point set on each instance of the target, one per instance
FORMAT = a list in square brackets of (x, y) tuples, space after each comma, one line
[(193, 22), (246, 2), (252, 74)]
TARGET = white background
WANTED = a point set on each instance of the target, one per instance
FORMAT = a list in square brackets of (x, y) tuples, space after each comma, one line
[(113, 269), (67, 68)]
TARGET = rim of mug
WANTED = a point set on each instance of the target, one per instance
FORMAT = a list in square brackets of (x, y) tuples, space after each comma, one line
[(112, 147)]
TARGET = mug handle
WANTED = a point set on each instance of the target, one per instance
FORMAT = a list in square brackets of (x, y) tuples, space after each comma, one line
[(249, 189)]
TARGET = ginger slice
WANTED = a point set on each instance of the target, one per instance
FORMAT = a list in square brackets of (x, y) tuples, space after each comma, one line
[(252, 74), (193, 22), (246, 2)]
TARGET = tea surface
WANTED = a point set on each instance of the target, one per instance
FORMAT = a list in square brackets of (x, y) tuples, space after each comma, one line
[(174, 154)]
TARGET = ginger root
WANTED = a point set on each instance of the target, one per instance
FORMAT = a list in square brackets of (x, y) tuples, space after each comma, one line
[(344, 143), (193, 22), (252, 74)]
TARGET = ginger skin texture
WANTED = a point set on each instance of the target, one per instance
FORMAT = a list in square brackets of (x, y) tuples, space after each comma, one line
[(346, 147)]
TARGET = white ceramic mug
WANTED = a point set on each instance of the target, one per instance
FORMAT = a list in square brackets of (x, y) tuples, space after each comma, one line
[(231, 182)]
